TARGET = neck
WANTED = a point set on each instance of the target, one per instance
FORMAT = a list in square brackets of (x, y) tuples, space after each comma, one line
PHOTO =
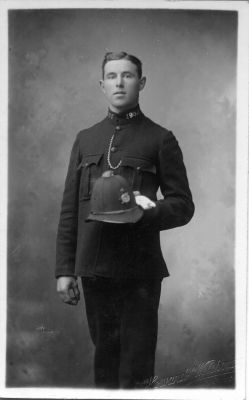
[(122, 110)]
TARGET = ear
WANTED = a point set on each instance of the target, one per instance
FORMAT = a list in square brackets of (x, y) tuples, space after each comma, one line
[(142, 83), (102, 85)]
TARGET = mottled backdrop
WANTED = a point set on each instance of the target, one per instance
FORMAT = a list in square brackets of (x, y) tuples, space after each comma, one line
[(189, 58)]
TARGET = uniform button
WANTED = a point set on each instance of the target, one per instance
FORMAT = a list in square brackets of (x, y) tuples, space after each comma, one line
[(113, 149), (118, 128)]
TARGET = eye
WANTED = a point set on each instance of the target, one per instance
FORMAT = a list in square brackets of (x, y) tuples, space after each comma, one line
[(128, 75), (111, 76)]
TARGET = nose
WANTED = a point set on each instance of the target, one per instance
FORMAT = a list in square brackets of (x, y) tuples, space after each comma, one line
[(119, 81)]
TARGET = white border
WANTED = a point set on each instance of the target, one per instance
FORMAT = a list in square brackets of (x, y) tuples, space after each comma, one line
[(231, 5), (241, 199)]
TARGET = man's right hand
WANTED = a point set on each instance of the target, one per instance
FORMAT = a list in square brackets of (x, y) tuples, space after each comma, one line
[(68, 290)]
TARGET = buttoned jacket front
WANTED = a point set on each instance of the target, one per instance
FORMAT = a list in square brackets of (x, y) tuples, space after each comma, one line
[(149, 157)]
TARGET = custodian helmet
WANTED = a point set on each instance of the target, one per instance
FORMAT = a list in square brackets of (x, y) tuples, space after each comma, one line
[(113, 201)]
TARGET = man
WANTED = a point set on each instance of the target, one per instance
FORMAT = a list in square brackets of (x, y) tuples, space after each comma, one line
[(121, 265)]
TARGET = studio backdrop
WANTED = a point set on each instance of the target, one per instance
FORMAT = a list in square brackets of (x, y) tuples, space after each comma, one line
[(189, 59)]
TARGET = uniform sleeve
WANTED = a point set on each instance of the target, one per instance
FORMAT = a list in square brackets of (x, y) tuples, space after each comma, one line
[(177, 207), (66, 242)]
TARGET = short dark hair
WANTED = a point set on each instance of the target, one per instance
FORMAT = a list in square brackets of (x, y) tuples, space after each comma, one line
[(122, 55)]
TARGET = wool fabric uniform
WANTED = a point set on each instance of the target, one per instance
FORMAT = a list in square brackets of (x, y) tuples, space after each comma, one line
[(121, 265), (150, 158)]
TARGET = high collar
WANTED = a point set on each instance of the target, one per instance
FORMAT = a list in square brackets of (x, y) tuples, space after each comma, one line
[(127, 117)]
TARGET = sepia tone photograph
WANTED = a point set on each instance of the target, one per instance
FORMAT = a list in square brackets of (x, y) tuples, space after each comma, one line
[(121, 203)]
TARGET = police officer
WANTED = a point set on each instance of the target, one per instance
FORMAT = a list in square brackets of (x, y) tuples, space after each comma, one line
[(121, 265)]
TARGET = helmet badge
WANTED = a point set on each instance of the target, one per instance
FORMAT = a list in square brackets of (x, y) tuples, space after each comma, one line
[(125, 197)]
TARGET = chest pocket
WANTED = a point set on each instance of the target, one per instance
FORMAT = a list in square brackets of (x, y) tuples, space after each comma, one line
[(90, 171), (139, 172)]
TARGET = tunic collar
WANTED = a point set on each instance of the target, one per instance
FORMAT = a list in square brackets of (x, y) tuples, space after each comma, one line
[(127, 117)]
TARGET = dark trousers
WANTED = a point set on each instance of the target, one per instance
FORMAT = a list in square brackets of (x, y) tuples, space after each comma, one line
[(123, 323)]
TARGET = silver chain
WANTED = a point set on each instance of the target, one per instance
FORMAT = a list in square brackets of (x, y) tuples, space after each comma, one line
[(109, 156)]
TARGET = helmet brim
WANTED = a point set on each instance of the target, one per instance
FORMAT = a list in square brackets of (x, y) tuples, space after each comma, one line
[(123, 217)]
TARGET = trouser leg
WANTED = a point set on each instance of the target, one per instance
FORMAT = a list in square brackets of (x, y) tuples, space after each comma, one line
[(123, 323), (139, 326), (103, 304)]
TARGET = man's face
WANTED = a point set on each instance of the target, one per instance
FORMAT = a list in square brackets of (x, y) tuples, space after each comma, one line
[(121, 84)]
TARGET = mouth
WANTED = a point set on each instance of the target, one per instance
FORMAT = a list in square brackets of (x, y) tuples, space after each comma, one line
[(119, 93)]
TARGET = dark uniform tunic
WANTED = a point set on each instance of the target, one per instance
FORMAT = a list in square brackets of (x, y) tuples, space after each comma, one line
[(150, 158), (121, 265)]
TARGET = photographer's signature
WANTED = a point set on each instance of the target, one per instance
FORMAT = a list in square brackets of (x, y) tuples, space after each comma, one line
[(205, 373)]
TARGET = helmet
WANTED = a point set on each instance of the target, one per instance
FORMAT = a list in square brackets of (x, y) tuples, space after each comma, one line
[(113, 201)]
